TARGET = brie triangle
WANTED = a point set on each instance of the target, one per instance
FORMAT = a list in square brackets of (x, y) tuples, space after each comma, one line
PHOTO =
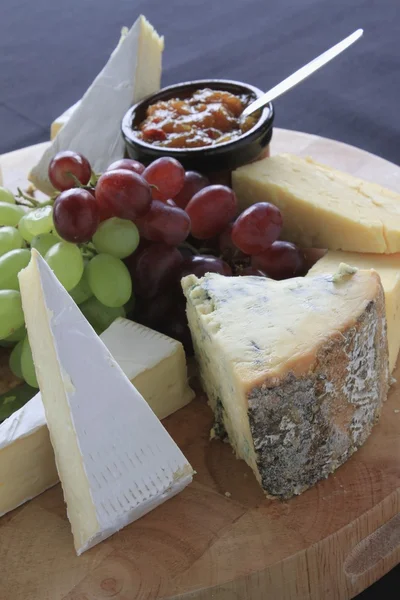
[(115, 460), (94, 127)]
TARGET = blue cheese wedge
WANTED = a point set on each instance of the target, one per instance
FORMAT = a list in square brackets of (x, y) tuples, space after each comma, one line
[(115, 460), (94, 126), (153, 362), (295, 371)]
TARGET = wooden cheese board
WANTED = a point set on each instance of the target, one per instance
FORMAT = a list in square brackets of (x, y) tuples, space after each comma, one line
[(221, 538)]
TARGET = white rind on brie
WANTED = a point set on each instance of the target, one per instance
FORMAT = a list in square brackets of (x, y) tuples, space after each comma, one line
[(154, 363), (115, 459), (94, 127)]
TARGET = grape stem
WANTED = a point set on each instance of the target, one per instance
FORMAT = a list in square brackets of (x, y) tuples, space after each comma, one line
[(79, 184), (189, 247), (94, 178), (30, 201), (87, 250)]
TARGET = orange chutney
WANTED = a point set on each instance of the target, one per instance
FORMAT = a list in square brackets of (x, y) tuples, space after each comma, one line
[(205, 118)]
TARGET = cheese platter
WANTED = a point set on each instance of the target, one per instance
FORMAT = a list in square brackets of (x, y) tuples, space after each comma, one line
[(291, 287)]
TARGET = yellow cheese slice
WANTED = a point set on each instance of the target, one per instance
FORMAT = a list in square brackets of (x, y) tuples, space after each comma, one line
[(322, 207), (388, 268)]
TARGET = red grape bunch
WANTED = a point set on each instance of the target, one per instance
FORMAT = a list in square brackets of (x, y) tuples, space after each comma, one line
[(121, 241), (159, 223)]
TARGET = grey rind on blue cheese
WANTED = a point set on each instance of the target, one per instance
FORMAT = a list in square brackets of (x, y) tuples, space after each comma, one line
[(295, 425)]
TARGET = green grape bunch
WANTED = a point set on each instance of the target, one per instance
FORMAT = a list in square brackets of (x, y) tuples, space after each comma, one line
[(95, 233)]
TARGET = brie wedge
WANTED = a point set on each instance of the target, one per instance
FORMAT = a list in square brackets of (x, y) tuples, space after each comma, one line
[(59, 123), (155, 364), (115, 460), (94, 127)]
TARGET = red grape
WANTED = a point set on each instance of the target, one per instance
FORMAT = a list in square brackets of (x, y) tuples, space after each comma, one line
[(128, 164), (168, 175), (123, 193), (200, 265), (281, 261), (176, 326), (66, 166), (164, 223), (154, 268), (227, 248), (76, 215), (311, 256), (194, 182), (257, 228), (153, 311), (211, 210), (252, 271)]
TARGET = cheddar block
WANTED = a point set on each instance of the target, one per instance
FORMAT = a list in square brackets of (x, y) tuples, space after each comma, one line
[(388, 268), (322, 207)]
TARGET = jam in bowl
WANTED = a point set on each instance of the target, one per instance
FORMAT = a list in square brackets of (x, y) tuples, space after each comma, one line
[(199, 123)]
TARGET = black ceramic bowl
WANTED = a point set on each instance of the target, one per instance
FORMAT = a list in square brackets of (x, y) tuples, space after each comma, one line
[(219, 157)]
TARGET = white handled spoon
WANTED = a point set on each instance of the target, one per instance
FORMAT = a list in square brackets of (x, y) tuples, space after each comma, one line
[(302, 73)]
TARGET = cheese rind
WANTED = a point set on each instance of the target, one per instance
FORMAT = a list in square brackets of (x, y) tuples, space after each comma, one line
[(154, 363), (388, 269), (322, 207), (296, 371), (115, 460), (59, 123), (27, 466), (93, 129)]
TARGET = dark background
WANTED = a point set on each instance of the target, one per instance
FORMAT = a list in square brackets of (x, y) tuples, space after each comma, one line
[(51, 50)]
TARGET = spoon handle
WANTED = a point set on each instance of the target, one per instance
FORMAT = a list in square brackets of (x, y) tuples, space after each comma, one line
[(302, 73)]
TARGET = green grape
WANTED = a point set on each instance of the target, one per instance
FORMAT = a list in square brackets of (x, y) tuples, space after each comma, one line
[(10, 214), (67, 263), (17, 335), (6, 195), (55, 233), (42, 243), (117, 237), (100, 316), (15, 360), (130, 305), (23, 228), (10, 265), (39, 220), (109, 280), (11, 313), (10, 239), (82, 292), (27, 364)]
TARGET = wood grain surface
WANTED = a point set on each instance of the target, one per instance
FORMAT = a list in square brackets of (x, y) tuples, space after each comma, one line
[(220, 538)]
